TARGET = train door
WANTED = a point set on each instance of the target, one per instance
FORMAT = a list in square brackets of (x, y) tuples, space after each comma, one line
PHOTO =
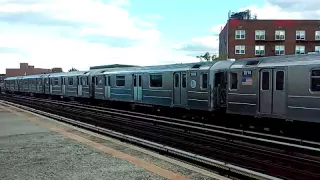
[(137, 87), (79, 85), (107, 87), (272, 91), (63, 85), (180, 88)]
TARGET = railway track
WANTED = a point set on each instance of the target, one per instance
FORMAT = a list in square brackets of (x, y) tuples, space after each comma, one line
[(287, 160)]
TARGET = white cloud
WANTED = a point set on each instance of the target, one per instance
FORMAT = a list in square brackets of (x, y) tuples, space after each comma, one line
[(272, 9), (79, 33)]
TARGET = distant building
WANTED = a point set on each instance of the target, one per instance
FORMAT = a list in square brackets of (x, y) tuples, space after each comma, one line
[(56, 70), (244, 36), (25, 69), (111, 66)]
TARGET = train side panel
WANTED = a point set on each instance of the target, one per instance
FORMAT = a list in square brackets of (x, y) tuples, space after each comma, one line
[(304, 93), (157, 88)]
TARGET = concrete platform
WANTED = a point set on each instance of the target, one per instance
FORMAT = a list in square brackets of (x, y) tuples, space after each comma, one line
[(35, 147)]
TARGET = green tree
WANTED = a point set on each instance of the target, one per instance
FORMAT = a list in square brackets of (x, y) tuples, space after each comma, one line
[(205, 57), (73, 69)]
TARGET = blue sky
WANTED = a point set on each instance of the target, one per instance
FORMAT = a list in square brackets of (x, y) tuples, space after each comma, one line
[(187, 19), (84, 33)]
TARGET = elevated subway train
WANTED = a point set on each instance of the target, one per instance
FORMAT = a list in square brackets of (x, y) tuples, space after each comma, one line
[(280, 87)]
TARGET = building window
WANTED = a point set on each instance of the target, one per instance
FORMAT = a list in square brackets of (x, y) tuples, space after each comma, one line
[(240, 49), (280, 50), (120, 81), (156, 80), (259, 50), (300, 50), (280, 35), (260, 35), (317, 35), (240, 34), (315, 80), (300, 35), (233, 81), (317, 49)]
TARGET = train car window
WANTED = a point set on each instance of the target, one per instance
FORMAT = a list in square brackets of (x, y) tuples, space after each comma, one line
[(280, 80), (315, 80), (265, 80), (56, 81), (155, 80), (70, 81), (204, 81), (184, 80), (234, 81), (120, 81), (176, 80), (140, 80), (109, 81)]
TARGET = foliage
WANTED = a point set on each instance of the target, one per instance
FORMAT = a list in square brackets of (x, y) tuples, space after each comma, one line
[(73, 69), (208, 57)]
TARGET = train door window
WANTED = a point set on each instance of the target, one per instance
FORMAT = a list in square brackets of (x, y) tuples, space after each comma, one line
[(78, 81), (176, 80), (156, 80), (140, 81), (134, 78), (100, 80), (233, 81), (265, 80), (70, 81), (204, 81), (120, 81), (84, 81), (280, 80), (55, 81), (315, 80), (106, 81), (184, 80), (97, 80), (109, 80)]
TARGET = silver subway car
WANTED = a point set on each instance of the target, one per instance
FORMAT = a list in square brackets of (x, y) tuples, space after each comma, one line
[(286, 87), (12, 84), (190, 86)]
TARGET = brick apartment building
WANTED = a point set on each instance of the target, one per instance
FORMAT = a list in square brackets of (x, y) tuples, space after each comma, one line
[(25, 69), (245, 37)]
